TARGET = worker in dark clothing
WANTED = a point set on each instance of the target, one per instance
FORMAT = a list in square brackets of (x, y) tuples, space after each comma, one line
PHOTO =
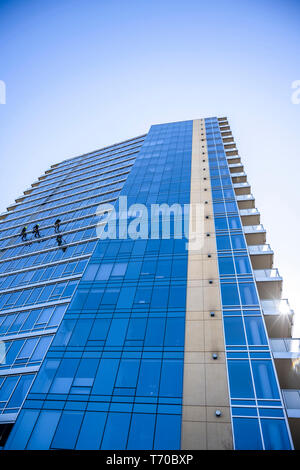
[(57, 225), (24, 234), (60, 242), (36, 231)]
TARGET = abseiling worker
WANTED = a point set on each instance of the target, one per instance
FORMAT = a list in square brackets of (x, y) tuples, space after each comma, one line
[(23, 234), (36, 231), (61, 242), (57, 225)]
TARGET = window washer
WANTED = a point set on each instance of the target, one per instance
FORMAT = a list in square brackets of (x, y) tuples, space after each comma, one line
[(60, 242), (24, 234), (57, 225), (36, 231)]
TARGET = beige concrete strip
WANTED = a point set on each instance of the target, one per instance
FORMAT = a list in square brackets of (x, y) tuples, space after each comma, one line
[(205, 387)]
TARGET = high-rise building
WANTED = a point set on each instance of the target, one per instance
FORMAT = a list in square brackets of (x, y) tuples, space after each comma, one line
[(150, 316)]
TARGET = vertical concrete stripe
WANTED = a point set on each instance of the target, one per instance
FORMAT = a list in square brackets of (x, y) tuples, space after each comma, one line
[(205, 387)]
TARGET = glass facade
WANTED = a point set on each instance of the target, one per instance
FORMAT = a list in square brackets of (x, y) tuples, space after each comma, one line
[(112, 377), (40, 272)]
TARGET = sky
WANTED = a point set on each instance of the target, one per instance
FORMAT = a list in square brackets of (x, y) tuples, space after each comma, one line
[(83, 74)]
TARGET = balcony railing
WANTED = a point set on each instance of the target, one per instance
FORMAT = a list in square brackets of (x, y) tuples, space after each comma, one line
[(267, 275), (276, 307), (241, 185), (285, 348), (291, 400), (248, 229), (254, 211), (259, 249), (245, 197)]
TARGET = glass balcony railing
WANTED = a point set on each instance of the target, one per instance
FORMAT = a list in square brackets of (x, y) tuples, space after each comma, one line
[(253, 211), (241, 185), (276, 307), (267, 275), (291, 400), (254, 228), (245, 197), (234, 165), (285, 348), (260, 249)]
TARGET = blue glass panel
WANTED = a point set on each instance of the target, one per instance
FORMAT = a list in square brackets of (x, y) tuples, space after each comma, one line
[(255, 330), (248, 293), (45, 376), (91, 431), (155, 332), (175, 329), (116, 431), (7, 387), (141, 432), (106, 376), (64, 376), (240, 380), (171, 378), (247, 434), (20, 391), (275, 434), (226, 265), (230, 295), (44, 430), (21, 431), (148, 381), (242, 264), (234, 331), (128, 373), (264, 378), (67, 430), (167, 432)]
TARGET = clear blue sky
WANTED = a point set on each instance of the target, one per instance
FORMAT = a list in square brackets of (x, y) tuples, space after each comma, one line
[(82, 74)]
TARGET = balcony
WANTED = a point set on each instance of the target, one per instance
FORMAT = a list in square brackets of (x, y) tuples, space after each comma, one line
[(233, 159), (11, 207), (269, 283), (239, 177), (223, 125), (261, 256), (228, 139), (291, 399), (255, 234), (230, 153), (236, 167), (286, 348), (286, 353), (246, 201), (278, 318), (230, 146), (226, 133), (242, 188), (277, 307), (250, 216)]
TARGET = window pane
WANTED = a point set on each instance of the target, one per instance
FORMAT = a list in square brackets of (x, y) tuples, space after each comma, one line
[(234, 331), (67, 430), (240, 380), (247, 434), (275, 434), (264, 378), (141, 432)]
